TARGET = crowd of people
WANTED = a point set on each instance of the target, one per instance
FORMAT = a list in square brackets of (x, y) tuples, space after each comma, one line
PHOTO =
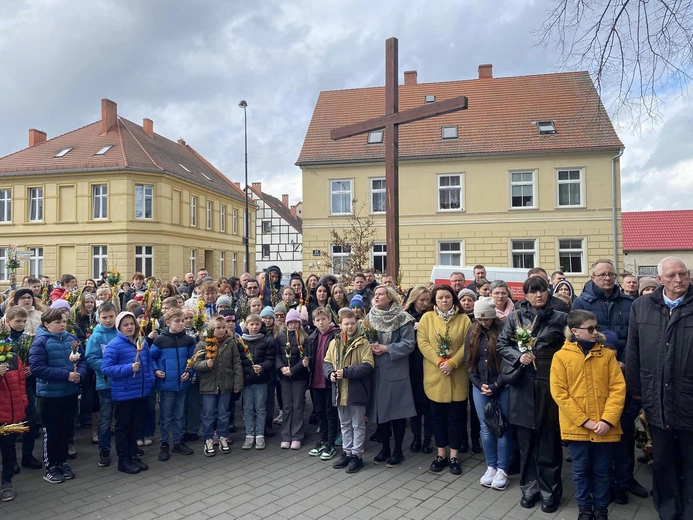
[(461, 362)]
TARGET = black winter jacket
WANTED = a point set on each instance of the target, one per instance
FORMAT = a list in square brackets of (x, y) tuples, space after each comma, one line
[(295, 361), (263, 352), (484, 374), (659, 363)]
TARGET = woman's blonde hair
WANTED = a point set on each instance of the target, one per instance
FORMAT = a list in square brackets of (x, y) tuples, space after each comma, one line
[(414, 295), (391, 293)]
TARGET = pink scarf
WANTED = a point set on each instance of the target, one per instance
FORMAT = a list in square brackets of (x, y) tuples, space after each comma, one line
[(509, 308)]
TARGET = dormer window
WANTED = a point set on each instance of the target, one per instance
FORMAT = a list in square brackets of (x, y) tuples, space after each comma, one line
[(205, 176), (375, 136), (179, 164), (449, 132), (103, 150), (63, 152), (430, 98), (546, 127)]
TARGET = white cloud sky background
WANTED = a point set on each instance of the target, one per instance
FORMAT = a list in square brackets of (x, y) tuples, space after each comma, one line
[(187, 64)]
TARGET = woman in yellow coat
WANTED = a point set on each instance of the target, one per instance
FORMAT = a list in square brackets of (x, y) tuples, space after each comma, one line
[(589, 389), (440, 337)]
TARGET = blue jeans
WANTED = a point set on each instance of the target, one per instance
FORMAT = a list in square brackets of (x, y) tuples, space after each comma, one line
[(592, 473), (498, 452), (172, 411), (216, 407), (105, 419), (254, 409)]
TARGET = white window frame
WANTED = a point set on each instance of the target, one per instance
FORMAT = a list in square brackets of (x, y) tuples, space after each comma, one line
[(335, 256), (222, 263), (376, 136), (340, 193), (266, 226), (449, 132), (582, 251), (382, 254), (99, 261), (523, 251), (35, 262), (378, 191), (6, 200), (3, 264), (193, 211), (234, 264), (146, 193), (99, 205), (263, 248), (210, 213), (450, 252), (234, 221), (560, 183), (193, 260), (450, 188), (222, 218), (142, 257), (36, 204), (533, 183)]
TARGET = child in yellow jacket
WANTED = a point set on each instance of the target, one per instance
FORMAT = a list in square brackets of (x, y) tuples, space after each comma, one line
[(590, 391)]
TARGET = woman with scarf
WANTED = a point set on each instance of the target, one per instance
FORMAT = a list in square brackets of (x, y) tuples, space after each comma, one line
[(441, 336), (500, 292), (391, 401), (532, 409)]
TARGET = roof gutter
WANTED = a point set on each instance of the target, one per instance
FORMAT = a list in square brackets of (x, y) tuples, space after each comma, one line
[(613, 206)]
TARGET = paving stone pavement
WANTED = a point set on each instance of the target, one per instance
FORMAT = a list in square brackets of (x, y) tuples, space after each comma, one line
[(281, 484)]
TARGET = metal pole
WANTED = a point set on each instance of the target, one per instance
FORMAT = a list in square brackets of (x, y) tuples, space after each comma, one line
[(244, 106)]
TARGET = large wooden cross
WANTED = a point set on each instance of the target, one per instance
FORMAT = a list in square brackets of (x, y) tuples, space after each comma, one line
[(390, 123)]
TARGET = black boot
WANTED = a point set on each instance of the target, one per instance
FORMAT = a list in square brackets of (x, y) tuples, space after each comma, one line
[(127, 465), (31, 462), (476, 446), (383, 455), (427, 446), (415, 444)]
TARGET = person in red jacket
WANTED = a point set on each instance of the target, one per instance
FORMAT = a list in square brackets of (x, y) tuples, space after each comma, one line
[(13, 403)]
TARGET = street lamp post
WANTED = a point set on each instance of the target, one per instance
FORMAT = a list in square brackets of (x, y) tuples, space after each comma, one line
[(244, 106)]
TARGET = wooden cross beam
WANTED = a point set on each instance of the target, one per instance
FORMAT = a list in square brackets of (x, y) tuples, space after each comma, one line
[(390, 122)]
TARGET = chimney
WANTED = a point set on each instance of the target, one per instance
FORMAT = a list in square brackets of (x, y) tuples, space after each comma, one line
[(109, 115), (36, 137), (148, 126), (410, 77), (181, 141), (285, 200), (293, 211), (238, 185), (486, 71), (257, 185)]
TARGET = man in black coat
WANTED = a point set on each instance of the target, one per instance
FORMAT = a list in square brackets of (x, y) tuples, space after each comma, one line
[(659, 371)]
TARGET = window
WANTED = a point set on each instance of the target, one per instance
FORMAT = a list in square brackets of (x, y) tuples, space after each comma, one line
[(546, 127), (570, 255), (222, 218), (449, 192), (523, 253), (206, 177), (102, 151), (3, 263), (522, 189), (266, 226), (35, 204), (36, 262), (339, 255), (99, 255), (234, 221), (375, 136), (144, 201), (430, 98), (144, 260), (450, 253), (179, 164), (379, 257), (643, 270), (340, 195), (99, 201), (5, 205), (449, 132), (222, 262), (378, 195), (193, 260), (569, 188), (193, 210), (234, 264), (63, 152), (210, 214), (265, 250)]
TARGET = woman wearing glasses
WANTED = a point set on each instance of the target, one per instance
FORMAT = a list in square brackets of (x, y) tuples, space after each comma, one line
[(532, 409)]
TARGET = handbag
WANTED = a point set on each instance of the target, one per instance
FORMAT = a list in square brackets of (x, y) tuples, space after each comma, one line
[(493, 418), (509, 373)]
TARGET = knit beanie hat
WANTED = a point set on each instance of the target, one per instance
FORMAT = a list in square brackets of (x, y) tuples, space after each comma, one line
[(139, 311), (467, 292), (280, 307), (293, 315), (484, 308), (122, 315), (88, 296), (21, 292), (224, 300), (268, 311), (611, 338), (228, 314), (60, 304), (356, 301), (646, 282)]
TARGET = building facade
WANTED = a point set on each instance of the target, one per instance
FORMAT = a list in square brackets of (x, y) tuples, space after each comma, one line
[(278, 232), (523, 178), (116, 192)]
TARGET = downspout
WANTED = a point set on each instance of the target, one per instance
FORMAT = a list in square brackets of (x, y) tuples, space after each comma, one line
[(613, 207)]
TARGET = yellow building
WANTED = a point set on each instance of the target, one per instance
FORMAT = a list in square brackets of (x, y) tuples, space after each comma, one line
[(115, 191), (522, 178)]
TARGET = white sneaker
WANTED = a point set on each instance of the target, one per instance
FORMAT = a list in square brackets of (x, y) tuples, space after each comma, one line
[(260, 442), (280, 417), (140, 443), (209, 448), (487, 479), (500, 481), (224, 444), (148, 441), (248, 442)]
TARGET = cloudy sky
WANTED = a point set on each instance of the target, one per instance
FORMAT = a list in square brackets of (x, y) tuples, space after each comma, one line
[(186, 64)]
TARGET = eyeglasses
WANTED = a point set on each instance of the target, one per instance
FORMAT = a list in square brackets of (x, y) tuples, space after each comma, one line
[(605, 275), (589, 329)]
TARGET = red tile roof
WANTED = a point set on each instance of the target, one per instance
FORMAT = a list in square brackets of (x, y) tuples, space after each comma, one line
[(499, 119), (279, 208), (133, 149), (658, 230)]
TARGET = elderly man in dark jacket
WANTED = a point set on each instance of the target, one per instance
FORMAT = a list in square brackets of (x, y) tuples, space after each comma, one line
[(659, 370)]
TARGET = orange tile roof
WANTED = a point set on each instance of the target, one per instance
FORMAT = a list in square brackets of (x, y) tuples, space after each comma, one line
[(133, 149), (658, 230), (499, 119)]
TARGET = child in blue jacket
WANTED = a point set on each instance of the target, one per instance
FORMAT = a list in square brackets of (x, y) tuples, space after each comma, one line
[(170, 353), (132, 379), (57, 362)]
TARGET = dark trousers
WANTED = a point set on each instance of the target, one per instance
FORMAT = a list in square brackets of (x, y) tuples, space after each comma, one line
[(58, 417), (541, 461), (447, 423), (398, 427), (423, 411), (327, 415), (29, 438), (592, 473), (193, 410), (625, 448), (86, 401), (672, 473), (148, 424), (9, 456), (128, 417), (272, 388), (474, 426)]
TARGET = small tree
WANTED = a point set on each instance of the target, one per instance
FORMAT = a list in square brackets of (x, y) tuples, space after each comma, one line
[(356, 238)]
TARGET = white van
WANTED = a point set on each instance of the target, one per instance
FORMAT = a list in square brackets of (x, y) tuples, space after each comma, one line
[(515, 278)]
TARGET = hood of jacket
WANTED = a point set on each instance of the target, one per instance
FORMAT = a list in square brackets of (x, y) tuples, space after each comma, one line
[(591, 293)]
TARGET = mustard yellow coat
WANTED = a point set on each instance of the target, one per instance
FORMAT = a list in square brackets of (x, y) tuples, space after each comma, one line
[(587, 387), (437, 386)]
